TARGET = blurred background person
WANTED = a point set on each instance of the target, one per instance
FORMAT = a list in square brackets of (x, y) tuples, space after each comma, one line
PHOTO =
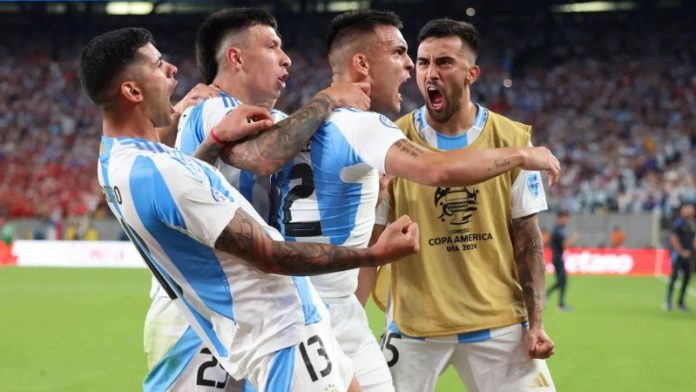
[(559, 242), (682, 241)]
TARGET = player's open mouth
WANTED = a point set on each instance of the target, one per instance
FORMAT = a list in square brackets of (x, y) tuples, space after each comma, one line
[(435, 97), (283, 79)]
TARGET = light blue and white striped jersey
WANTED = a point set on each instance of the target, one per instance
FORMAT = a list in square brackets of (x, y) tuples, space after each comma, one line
[(329, 191), (194, 127), (174, 208)]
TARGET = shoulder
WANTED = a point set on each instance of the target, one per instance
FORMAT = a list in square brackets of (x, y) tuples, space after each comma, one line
[(511, 127), (357, 119), (407, 120)]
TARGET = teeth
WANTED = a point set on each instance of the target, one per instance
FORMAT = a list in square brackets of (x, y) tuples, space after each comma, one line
[(431, 88)]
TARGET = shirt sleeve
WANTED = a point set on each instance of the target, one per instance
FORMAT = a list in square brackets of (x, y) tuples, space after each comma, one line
[(528, 196), (370, 135), (202, 203)]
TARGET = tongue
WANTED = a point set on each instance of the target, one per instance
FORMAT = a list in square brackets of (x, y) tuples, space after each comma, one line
[(436, 99)]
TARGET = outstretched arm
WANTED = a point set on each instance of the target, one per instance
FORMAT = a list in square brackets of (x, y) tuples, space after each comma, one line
[(265, 153), (467, 166), (245, 238), (529, 258)]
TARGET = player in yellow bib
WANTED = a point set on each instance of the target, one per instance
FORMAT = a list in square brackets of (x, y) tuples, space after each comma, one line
[(473, 296)]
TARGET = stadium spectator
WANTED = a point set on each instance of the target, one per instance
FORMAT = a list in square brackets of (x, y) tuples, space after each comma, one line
[(617, 237), (618, 107)]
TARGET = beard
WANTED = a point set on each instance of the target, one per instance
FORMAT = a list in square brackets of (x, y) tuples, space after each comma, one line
[(451, 106)]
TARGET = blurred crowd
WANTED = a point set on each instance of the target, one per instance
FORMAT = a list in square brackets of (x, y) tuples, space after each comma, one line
[(617, 106)]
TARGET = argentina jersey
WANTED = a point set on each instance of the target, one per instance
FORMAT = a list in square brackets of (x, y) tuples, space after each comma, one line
[(445, 142), (173, 208), (329, 191), (195, 126)]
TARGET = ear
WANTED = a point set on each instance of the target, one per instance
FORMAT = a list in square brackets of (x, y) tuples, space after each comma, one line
[(360, 65), (234, 57), (472, 75), (131, 92)]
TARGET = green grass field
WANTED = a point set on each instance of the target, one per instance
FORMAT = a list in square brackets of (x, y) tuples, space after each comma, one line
[(81, 330)]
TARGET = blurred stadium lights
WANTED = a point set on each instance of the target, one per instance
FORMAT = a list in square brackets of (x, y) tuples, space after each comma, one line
[(594, 6), (129, 7)]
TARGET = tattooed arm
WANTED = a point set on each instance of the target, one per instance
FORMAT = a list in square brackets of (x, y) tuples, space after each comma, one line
[(529, 258), (245, 238), (266, 152), (465, 166)]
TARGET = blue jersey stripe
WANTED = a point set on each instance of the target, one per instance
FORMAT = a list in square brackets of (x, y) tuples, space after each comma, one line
[(246, 185), (338, 201), (196, 261), (474, 337), (170, 367), (107, 144), (193, 134), (311, 313), (447, 143), (282, 368)]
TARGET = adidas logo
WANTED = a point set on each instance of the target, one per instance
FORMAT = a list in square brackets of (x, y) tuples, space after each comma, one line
[(539, 381)]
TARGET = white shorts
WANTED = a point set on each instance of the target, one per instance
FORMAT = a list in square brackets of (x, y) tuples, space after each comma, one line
[(487, 361), (350, 326), (176, 357), (317, 364)]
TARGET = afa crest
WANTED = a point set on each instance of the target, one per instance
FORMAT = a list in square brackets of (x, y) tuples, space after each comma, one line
[(534, 184), (459, 204)]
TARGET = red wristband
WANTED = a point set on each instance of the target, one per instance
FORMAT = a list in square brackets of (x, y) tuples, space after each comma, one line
[(215, 138)]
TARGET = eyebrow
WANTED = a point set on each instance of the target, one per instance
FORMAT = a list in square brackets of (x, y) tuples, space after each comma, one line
[(419, 58)]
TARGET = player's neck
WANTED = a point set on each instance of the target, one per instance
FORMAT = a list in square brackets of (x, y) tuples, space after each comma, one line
[(459, 123), (132, 124), (347, 77), (238, 90)]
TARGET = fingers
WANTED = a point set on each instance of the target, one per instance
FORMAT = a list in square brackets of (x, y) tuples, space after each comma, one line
[(401, 223), (413, 235), (542, 350), (256, 127), (254, 113), (365, 87)]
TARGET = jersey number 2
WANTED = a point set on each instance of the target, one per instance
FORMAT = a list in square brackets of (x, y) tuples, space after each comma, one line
[(302, 191), (201, 380)]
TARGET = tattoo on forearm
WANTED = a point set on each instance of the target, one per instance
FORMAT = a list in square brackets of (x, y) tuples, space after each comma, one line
[(529, 257), (500, 163), (245, 238), (208, 152), (408, 148), (284, 140)]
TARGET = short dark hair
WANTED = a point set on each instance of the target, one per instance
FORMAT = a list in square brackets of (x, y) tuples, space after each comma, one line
[(219, 24), (346, 25), (445, 27), (104, 59)]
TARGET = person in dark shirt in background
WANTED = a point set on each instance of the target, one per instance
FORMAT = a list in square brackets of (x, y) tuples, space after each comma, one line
[(682, 241), (559, 242)]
